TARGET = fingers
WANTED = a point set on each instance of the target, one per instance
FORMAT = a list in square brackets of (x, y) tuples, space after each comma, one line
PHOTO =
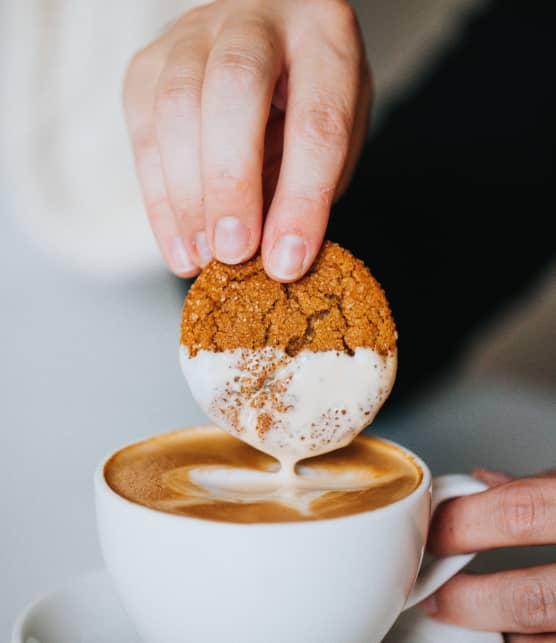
[(241, 73), (492, 478), (140, 84), (323, 89), (160, 212), (521, 512), (533, 638), (139, 92), (521, 601), (178, 121), (198, 102)]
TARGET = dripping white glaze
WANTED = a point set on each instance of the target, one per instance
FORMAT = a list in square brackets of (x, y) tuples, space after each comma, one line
[(312, 403)]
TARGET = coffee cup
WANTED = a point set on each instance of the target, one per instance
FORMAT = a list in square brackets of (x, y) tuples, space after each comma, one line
[(338, 580)]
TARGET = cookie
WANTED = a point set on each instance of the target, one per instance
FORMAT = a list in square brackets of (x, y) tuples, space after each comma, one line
[(337, 305), (294, 369)]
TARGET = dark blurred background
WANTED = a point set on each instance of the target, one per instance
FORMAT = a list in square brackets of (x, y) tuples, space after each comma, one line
[(453, 203)]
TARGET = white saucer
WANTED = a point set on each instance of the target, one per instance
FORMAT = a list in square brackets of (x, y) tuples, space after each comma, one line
[(88, 610)]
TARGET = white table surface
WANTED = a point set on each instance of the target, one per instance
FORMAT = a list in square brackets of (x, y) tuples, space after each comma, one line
[(87, 366)]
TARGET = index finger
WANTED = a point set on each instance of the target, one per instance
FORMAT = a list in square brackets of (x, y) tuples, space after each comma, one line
[(323, 88), (521, 512)]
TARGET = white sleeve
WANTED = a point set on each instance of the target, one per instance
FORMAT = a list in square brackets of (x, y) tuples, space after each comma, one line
[(64, 139)]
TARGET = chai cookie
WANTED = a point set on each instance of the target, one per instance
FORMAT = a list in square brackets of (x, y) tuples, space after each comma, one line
[(293, 369)]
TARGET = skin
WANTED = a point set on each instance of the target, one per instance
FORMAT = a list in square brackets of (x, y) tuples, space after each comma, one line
[(512, 513), (246, 119)]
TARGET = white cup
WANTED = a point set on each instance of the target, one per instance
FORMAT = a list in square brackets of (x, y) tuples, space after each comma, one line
[(340, 580)]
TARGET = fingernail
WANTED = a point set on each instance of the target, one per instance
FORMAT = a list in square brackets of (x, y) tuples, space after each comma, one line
[(231, 240), (180, 257), (430, 605), (203, 249), (287, 256)]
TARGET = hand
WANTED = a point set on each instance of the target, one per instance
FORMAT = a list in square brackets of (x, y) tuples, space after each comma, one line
[(243, 106), (513, 512)]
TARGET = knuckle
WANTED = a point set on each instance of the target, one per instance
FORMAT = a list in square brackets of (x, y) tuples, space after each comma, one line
[(522, 509), (187, 207), (139, 69), (197, 14), (324, 125), (145, 147), (239, 69), (533, 605), (339, 18), (139, 64), (224, 179), (305, 204), (179, 92), (146, 150), (229, 192), (345, 18), (228, 188), (159, 210)]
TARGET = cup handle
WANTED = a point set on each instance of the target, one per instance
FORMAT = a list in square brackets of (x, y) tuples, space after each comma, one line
[(436, 571)]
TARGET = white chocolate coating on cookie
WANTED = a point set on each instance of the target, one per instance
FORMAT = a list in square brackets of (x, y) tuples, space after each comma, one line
[(290, 407)]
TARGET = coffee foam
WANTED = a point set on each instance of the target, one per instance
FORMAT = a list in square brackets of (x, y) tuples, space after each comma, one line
[(205, 473), (291, 407)]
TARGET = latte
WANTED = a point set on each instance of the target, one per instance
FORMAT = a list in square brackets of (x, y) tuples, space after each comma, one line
[(205, 473)]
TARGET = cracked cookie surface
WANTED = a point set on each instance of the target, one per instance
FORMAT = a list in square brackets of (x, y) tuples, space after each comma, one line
[(338, 305)]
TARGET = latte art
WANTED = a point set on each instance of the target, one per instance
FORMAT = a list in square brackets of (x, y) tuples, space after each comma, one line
[(208, 484), (206, 473)]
